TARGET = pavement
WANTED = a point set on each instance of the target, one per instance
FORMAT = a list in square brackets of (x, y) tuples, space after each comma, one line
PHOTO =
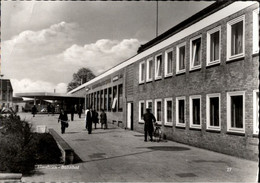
[(119, 155)]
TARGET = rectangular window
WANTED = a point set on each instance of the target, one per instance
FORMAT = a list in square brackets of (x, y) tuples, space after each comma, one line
[(105, 99), (149, 104), (256, 111), (256, 31), (149, 76), (213, 46), (168, 62), (141, 111), (235, 38), (180, 111), (109, 99), (158, 110), (180, 57), (95, 101), (98, 104), (120, 97), (213, 111), (236, 111), (195, 111), (195, 53), (168, 109), (114, 106), (101, 100), (158, 67), (142, 72)]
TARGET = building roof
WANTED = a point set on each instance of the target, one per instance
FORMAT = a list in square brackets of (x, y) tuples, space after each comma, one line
[(6, 84), (48, 96)]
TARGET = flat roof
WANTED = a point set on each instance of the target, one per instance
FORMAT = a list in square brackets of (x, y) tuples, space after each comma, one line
[(48, 96)]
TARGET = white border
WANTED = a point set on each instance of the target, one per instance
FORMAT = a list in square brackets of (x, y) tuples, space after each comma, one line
[(214, 95), (191, 111), (168, 123), (191, 57), (148, 61), (229, 25), (212, 31), (139, 111), (177, 111), (155, 110), (147, 101), (177, 58), (140, 72), (166, 63), (255, 112), (229, 95)]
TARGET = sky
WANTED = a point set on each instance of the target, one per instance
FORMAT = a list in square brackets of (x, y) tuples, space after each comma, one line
[(45, 42)]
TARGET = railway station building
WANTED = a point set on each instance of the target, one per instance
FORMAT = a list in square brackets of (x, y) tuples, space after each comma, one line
[(200, 78)]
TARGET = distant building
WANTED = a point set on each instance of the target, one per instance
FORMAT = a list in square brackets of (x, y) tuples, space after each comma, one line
[(6, 93)]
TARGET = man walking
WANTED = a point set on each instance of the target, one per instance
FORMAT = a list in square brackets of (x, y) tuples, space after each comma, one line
[(89, 119), (149, 119)]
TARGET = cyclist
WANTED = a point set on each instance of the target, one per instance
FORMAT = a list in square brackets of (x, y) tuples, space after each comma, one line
[(149, 119)]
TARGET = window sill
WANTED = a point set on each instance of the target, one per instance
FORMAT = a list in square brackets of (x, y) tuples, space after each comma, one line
[(213, 63), (195, 128), (180, 126), (236, 133), (168, 75), (213, 131), (158, 123), (255, 135), (180, 72), (158, 78), (168, 125), (255, 54), (195, 68), (148, 81), (141, 122), (141, 83), (236, 58)]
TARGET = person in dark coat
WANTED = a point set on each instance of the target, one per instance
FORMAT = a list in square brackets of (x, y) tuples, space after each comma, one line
[(72, 111), (34, 110), (48, 109), (149, 119), (89, 120), (79, 110), (63, 118), (95, 118), (103, 119)]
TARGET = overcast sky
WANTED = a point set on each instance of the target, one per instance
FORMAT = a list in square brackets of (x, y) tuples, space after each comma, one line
[(44, 43)]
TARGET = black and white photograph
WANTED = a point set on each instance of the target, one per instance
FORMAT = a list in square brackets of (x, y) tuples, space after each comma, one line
[(129, 91)]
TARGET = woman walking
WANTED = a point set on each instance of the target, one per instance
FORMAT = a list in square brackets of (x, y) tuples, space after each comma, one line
[(63, 118)]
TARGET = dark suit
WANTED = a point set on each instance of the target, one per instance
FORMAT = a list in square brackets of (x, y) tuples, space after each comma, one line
[(89, 120), (148, 125)]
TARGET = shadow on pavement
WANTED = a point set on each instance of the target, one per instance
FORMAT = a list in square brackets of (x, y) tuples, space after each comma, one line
[(72, 132), (167, 148)]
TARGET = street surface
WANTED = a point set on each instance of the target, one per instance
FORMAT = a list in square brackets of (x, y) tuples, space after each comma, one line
[(119, 155)]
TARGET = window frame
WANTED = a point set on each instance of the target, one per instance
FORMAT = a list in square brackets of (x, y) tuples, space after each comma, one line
[(140, 72), (229, 26), (156, 77), (209, 33), (147, 101), (256, 31), (120, 97), (208, 96), (140, 120), (167, 123), (177, 111), (191, 112), (166, 74), (178, 71), (229, 128), (155, 110), (148, 61), (191, 55), (255, 111)]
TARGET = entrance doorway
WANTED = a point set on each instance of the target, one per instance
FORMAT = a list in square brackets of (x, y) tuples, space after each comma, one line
[(130, 117)]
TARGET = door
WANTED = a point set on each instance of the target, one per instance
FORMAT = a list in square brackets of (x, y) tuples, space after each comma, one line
[(130, 116)]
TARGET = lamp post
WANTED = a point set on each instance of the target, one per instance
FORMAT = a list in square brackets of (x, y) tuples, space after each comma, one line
[(1, 96)]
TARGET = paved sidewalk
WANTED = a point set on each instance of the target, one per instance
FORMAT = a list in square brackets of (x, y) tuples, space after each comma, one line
[(118, 155)]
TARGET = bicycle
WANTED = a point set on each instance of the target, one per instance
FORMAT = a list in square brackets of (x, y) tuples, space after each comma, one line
[(157, 133)]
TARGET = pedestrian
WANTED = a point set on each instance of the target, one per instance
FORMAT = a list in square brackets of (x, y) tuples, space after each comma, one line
[(63, 118), (86, 121), (53, 109), (95, 118), (79, 110), (149, 119), (89, 120), (48, 109), (34, 110), (72, 111), (103, 119)]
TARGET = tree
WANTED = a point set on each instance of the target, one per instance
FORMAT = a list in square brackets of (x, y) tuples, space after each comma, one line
[(82, 76)]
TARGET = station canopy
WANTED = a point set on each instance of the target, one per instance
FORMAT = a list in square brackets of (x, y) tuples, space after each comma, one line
[(49, 96)]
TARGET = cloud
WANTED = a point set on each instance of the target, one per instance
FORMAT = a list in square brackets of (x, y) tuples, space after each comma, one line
[(27, 85), (51, 56)]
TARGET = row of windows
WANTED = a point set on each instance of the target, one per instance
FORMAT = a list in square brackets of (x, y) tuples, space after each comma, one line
[(235, 49), (235, 111), (108, 99)]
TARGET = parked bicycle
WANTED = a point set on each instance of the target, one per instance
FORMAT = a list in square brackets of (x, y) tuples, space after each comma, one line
[(157, 133)]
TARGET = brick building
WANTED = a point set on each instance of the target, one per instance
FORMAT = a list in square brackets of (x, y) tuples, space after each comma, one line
[(200, 78), (6, 93)]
